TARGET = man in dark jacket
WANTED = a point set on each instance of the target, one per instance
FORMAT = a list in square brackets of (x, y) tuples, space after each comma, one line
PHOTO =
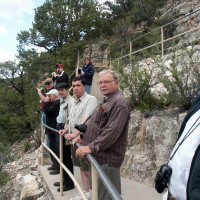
[(87, 73), (61, 76), (51, 109), (185, 158)]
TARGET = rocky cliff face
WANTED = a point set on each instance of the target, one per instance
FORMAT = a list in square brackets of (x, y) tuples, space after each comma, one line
[(177, 9), (151, 139), (150, 143), (173, 9), (25, 180)]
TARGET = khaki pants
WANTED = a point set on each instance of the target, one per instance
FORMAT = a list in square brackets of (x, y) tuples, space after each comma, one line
[(114, 176)]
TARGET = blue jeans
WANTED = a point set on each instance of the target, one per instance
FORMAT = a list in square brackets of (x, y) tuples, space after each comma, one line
[(88, 88), (44, 122), (43, 118)]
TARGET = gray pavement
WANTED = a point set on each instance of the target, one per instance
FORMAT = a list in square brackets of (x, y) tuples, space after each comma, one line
[(131, 190)]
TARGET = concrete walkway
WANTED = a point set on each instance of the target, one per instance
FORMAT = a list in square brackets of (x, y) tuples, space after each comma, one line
[(95, 87), (131, 190)]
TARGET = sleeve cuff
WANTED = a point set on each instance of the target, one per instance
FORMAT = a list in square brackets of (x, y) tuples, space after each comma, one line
[(93, 148)]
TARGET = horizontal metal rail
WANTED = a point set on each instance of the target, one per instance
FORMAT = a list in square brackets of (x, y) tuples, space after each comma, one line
[(106, 181), (63, 166), (156, 29), (68, 172), (155, 44)]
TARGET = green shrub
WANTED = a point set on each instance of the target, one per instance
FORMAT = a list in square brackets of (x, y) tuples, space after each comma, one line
[(136, 83), (26, 145), (181, 84), (4, 178)]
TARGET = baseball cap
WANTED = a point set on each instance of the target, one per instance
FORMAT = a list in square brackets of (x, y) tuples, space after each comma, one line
[(53, 91), (62, 85), (48, 80)]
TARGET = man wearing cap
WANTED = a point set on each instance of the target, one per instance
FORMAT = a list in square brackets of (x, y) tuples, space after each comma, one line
[(48, 86), (51, 109), (61, 76), (62, 121)]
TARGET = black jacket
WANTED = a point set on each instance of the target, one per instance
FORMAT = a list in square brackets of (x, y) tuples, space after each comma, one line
[(60, 79), (51, 109), (193, 184), (88, 73)]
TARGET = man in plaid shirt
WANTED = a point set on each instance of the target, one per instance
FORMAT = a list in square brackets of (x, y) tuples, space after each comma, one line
[(107, 131)]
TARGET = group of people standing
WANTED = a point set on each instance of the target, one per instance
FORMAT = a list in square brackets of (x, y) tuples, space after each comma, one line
[(107, 125), (106, 134)]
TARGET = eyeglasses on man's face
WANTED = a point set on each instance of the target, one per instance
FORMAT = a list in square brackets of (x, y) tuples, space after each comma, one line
[(47, 83), (105, 82)]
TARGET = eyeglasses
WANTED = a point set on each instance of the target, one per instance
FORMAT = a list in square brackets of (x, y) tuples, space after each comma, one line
[(105, 82), (47, 83)]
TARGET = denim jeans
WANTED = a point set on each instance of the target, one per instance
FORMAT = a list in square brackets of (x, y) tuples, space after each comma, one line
[(88, 88)]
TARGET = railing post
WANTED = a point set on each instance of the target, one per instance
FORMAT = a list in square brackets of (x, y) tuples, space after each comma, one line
[(130, 53), (118, 63), (42, 148), (105, 59), (78, 63), (110, 64), (96, 169), (162, 43), (130, 49), (94, 184), (61, 161)]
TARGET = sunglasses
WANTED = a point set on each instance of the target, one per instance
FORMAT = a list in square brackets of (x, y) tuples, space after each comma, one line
[(47, 83)]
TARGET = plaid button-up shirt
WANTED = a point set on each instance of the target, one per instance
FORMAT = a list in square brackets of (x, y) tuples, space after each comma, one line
[(107, 130)]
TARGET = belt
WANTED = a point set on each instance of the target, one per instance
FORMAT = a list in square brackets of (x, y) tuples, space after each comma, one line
[(60, 123)]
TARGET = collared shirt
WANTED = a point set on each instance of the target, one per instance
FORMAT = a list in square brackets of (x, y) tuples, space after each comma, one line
[(107, 130), (61, 74), (81, 109), (65, 107)]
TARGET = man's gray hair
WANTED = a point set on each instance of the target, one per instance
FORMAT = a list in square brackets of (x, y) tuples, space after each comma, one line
[(108, 71)]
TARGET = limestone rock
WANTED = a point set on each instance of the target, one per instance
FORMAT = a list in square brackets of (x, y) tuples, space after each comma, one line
[(26, 182), (23, 180), (31, 191), (150, 143)]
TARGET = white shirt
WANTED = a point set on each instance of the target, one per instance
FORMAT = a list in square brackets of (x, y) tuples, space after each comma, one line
[(81, 109), (181, 162), (65, 107)]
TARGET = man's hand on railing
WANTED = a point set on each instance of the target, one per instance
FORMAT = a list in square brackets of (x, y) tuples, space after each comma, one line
[(76, 140), (69, 136), (82, 151), (72, 135), (63, 131)]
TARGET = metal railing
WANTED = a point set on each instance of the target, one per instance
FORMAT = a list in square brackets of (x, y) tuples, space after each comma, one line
[(161, 42), (95, 170)]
